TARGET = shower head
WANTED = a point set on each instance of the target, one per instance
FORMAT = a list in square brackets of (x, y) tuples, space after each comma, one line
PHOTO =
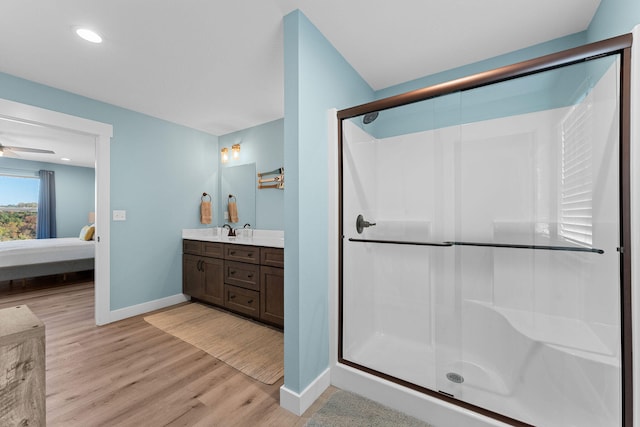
[(369, 117)]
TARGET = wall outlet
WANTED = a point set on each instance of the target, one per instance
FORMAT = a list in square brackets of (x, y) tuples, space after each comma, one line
[(226, 216), (119, 215)]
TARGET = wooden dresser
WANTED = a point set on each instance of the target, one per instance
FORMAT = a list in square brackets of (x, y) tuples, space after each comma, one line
[(22, 368)]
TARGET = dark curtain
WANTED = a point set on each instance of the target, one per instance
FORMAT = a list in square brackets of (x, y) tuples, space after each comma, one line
[(46, 225)]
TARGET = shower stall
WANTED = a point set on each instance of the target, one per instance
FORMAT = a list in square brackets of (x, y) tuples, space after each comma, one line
[(484, 250)]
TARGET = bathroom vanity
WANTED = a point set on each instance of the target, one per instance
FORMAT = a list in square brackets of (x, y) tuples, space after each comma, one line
[(243, 275)]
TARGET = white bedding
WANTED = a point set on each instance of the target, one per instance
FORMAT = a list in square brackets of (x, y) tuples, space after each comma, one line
[(38, 251)]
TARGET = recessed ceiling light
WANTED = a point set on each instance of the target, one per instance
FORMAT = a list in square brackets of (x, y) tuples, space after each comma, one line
[(89, 35), (65, 159)]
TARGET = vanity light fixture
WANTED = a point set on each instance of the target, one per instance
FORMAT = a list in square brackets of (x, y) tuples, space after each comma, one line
[(88, 35), (224, 155), (235, 149)]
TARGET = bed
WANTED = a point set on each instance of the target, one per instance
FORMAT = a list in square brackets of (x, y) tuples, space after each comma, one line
[(20, 259)]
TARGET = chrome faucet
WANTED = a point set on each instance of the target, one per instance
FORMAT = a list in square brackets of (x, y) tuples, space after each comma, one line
[(232, 232)]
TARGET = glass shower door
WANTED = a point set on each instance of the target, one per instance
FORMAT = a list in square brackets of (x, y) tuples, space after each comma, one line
[(481, 250), (395, 212), (537, 230)]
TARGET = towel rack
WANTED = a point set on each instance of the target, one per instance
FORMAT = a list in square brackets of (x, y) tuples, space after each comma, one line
[(278, 171), (278, 181), (205, 195), (279, 186)]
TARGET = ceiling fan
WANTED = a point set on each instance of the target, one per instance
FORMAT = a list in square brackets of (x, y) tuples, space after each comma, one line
[(9, 151)]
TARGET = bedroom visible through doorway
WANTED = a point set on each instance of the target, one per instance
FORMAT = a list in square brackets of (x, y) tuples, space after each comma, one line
[(100, 135)]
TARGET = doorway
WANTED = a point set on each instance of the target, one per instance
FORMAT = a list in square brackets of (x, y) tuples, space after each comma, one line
[(101, 133)]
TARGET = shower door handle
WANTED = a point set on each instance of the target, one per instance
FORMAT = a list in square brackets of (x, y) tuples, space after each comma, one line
[(361, 224)]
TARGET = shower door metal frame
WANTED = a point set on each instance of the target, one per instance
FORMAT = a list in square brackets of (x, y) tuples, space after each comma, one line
[(620, 45)]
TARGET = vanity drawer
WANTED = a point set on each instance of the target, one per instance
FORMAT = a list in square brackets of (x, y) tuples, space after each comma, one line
[(242, 300), (272, 256), (242, 253), (193, 247), (214, 250), (198, 247), (242, 274)]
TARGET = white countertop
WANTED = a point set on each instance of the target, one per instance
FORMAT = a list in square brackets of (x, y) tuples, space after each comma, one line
[(269, 238)]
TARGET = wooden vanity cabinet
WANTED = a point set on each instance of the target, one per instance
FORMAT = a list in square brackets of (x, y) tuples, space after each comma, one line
[(203, 271), (242, 278)]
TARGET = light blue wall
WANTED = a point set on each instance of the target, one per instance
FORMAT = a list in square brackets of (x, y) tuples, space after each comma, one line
[(548, 90), (317, 78), (158, 173), (535, 93), (264, 146), (613, 18), (541, 49), (75, 192)]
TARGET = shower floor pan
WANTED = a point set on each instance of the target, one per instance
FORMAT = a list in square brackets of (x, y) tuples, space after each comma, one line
[(550, 371)]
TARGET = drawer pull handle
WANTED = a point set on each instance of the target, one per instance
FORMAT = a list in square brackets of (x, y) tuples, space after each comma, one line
[(250, 301), (232, 252), (232, 272), (250, 254), (250, 275), (232, 296)]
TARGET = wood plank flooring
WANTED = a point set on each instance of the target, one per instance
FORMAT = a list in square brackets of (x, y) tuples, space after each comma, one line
[(130, 373)]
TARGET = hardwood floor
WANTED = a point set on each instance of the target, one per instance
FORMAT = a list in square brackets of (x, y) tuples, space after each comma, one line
[(130, 373)]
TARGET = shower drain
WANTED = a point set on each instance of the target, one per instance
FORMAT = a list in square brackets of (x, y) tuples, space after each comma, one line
[(456, 378)]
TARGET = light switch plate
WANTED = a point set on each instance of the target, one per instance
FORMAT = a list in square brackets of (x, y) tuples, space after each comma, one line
[(119, 215)]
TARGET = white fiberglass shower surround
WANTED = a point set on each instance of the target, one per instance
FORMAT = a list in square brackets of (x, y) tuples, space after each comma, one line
[(484, 257)]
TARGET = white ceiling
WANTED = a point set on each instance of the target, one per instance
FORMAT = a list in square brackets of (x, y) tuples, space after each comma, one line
[(217, 66), (70, 148)]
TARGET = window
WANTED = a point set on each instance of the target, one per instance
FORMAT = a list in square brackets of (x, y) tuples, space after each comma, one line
[(18, 207), (576, 218)]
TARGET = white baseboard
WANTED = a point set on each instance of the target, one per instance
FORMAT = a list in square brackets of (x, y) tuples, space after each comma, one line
[(298, 403), (135, 310)]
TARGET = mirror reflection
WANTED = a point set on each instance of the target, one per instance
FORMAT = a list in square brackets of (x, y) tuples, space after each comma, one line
[(239, 182)]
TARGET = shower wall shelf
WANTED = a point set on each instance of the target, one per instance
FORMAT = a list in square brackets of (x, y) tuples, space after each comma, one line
[(491, 245)]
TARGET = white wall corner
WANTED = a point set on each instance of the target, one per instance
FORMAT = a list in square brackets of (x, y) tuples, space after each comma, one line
[(298, 403), (146, 307)]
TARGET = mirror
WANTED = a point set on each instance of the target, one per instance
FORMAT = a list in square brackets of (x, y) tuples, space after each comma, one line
[(239, 181)]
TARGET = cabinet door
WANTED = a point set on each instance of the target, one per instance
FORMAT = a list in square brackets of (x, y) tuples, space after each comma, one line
[(191, 276), (272, 295), (213, 280)]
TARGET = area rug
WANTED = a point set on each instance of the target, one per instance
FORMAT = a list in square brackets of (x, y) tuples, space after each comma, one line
[(344, 409), (253, 349)]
